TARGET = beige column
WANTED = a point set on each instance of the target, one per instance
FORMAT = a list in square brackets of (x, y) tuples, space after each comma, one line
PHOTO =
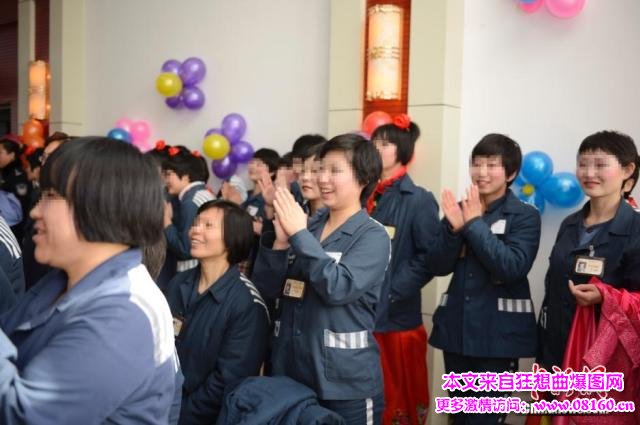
[(26, 53), (435, 74), (67, 53), (434, 104)]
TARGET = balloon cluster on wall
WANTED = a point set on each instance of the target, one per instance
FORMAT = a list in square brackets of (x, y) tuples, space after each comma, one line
[(33, 133), (564, 9), (177, 83), (225, 147), (537, 184), (135, 132)]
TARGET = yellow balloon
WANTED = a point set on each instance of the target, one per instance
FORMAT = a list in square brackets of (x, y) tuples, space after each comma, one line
[(528, 189), (216, 146), (168, 84)]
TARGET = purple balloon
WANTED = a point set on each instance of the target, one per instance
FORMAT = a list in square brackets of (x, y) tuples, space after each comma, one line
[(192, 97), (233, 127), (192, 71), (241, 152), (174, 102), (212, 131), (171, 65), (223, 168)]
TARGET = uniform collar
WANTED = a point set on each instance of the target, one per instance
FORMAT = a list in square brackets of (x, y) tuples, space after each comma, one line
[(620, 224), (349, 227), (114, 267), (508, 200), (218, 290), (406, 184), (191, 185)]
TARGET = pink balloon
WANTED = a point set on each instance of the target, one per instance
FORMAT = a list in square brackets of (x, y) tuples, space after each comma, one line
[(531, 7), (142, 146), (140, 131), (564, 8), (124, 123)]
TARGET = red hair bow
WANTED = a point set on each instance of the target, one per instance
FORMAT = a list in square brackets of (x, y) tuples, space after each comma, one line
[(402, 121), (173, 151), (160, 145), (30, 150), (196, 154)]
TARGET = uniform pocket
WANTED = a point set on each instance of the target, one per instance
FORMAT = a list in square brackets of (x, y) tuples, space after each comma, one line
[(348, 356)]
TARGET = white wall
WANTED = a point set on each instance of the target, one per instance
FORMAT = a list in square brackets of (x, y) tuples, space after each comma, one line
[(548, 83), (265, 60)]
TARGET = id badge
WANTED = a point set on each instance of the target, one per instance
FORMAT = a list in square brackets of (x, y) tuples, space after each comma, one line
[(177, 325), (391, 231), (589, 266), (293, 289)]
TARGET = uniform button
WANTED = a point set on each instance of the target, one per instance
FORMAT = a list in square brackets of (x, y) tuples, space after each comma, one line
[(470, 274), (467, 298), (298, 305), (298, 332)]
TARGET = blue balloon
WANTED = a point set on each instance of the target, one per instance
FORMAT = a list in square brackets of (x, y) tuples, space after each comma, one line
[(519, 180), (562, 190), (119, 134), (536, 167), (536, 199)]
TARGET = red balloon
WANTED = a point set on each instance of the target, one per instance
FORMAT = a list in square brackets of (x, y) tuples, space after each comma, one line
[(34, 141), (32, 128), (374, 120)]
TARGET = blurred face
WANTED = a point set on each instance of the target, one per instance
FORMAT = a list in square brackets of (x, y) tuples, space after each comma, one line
[(337, 182), (5, 157), (600, 174), (174, 183), (297, 165), (56, 240), (206, 235), (388, 153), (487, 172), (309, 179), (257, 168)]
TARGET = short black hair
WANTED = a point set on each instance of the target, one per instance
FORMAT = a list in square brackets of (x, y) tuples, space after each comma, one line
[(185, 163), (304, 143), (34, 158), (313, 151), (237, 229), (59, 137), (286, 160), (495, 144), (404, 139), (617, 144), (363, 157), (269, 157), (11, 146), (114, 191)]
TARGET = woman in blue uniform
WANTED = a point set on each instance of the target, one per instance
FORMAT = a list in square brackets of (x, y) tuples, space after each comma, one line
[(410, 215), (485, 320), (14, 179), (221, 323), (329, 273), (602, 239), (92, 342)]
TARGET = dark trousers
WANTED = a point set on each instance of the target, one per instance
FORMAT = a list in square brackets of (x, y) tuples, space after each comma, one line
[(358, 412), (458, 363)]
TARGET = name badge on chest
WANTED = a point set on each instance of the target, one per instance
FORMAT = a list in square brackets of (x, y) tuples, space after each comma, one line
[(294, 289), (589, 266), (499, 227), (177, 325), (391, 231)]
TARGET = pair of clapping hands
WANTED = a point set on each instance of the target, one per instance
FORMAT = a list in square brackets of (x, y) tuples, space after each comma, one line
[(459, 214), (288, 216)]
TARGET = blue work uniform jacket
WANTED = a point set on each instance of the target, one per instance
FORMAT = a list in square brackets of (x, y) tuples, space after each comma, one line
[(618, 243), (222, 339), (177, 233), (277, 400), (325, 339), (410, 215), (101, 353), (11, 258), (487, 310)]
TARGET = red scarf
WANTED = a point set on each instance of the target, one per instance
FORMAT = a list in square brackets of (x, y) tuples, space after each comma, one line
[(382, 185)]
